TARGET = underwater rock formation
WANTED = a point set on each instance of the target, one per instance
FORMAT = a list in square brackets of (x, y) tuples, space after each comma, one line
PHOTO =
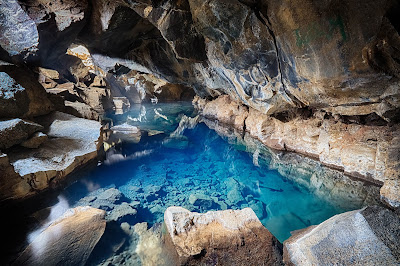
[(227, 237), (68, 240), (363, 237), (362, 151)]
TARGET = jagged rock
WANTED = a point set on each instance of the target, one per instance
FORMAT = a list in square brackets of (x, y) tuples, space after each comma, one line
[(81, 110), (201, 200), (329, 183), (362, 237), (126, 132), (361, 151), (35, 141), (112, 195), (68, 240), (15, 131), (234, 192), (120, 103), (72, 142), (18, 33), (9, 179), (49, 73), (120, 211), (21, 95), (225, 110), (222, 237), (176, 142)]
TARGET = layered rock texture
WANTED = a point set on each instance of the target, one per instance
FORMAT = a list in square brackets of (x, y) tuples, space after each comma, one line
[(366, 151), (320, 78), (69, 240), (230, 237), (336, 59), (363, 237)]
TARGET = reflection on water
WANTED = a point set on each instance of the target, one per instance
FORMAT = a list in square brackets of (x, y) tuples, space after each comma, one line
[(198, 169), (175, 160)]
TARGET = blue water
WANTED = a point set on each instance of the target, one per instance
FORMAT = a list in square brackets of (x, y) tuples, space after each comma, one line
[(199, 171)]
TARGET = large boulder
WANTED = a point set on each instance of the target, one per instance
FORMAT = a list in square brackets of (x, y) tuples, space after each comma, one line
[(18, 32), (21, 95), (230, 237), (363, 237), (72, 142), (67, 241), (15, 131)]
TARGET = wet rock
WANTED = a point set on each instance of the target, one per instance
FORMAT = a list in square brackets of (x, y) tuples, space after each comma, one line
[(35, 141), (21, 95), (68, 240), (112, 195), (126, 129), (234, 191), (368, 236), (120, 103), (259, 209), (361, 151), (228, 237), (201, 201), (150, 245), (72, 142), (15, 131), (177, 142), (121, 211)]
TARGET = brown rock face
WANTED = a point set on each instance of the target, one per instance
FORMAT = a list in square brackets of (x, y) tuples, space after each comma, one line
[(68, 240), (72, 142), (220, 238), (21, 95), (369, 152)]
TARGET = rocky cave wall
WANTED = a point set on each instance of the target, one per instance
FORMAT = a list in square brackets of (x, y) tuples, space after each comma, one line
[(328, 66)]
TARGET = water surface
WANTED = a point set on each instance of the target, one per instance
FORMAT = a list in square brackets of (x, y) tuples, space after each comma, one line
[(200, 171)]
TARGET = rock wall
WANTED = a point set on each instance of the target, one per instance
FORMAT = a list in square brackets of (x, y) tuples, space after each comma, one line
[(338, 56), (368, 152)]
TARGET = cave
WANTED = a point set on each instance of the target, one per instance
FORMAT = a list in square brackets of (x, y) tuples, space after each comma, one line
[(188, 132)]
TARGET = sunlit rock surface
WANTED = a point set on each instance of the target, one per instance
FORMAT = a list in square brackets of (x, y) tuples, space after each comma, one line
[(220, 238), (72, 142), (69, 240), (363, 237)]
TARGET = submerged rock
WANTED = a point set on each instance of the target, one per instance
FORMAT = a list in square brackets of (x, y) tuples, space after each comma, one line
[(201, 200), (363, 237), (68, 241), (365, 151), (221, 237), (121, 211), (176, 142)]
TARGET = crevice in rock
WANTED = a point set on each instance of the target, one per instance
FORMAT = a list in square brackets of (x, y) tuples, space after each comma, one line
[(255, 6)]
